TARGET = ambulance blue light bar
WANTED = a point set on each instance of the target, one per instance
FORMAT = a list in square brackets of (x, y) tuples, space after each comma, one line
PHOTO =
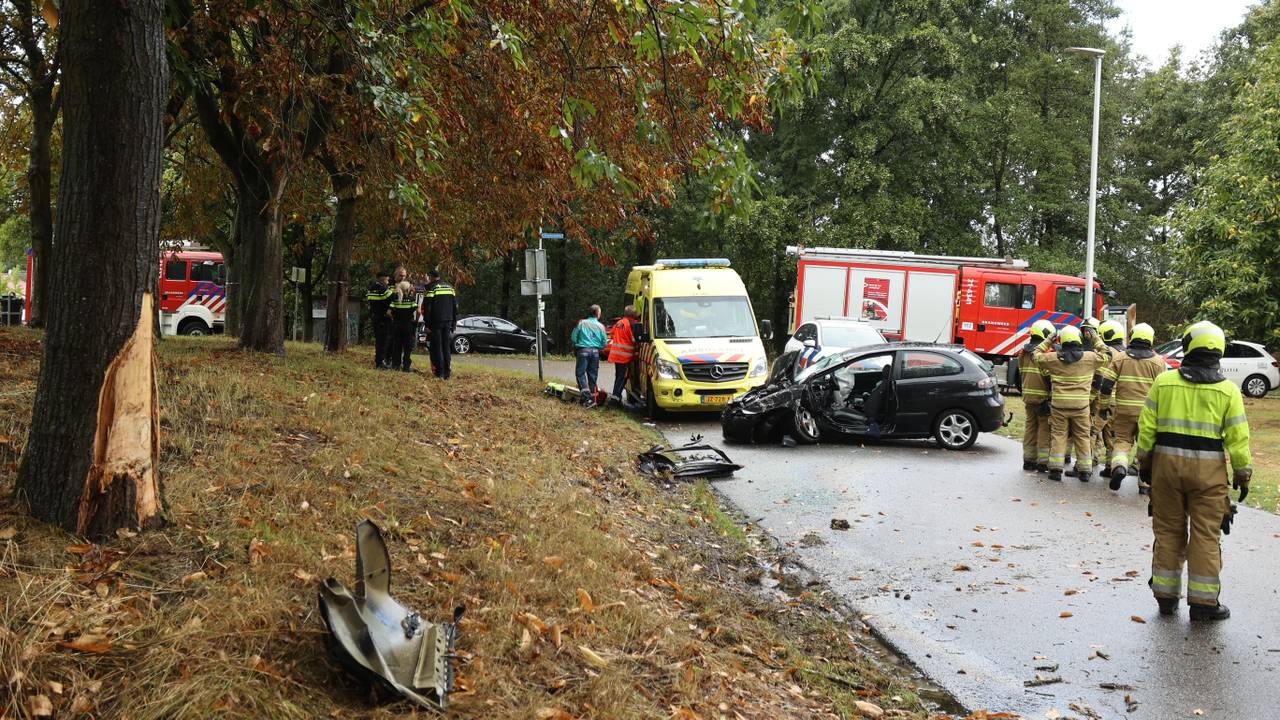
[(692, 262)]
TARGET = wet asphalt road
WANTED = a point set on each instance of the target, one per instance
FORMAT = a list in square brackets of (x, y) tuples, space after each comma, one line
[(966, 566)]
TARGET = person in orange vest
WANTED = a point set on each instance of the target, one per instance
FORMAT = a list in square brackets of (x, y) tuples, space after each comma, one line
[(622, 347)]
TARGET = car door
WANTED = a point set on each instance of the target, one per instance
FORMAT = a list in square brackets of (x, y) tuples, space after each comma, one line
[(507, 336), (838, 397), (1241, 360), (927, 383)]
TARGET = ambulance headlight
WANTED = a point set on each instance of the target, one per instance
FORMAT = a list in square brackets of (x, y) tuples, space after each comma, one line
[(760, 367), (668, 369)]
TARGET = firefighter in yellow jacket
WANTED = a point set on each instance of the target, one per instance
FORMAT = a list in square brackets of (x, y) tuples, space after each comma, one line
[(1103, 405), (1035, 398), (1070, 371), (1192, 423), (1132, 374)]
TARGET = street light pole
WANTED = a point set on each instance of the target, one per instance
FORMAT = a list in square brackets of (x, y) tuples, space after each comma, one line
[(1096, 54)]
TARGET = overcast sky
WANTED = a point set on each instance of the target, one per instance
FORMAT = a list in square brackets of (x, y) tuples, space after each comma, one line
[(1158, 25)]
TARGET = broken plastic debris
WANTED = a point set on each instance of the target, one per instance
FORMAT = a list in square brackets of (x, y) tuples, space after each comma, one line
[(687, 462), (381, 641)]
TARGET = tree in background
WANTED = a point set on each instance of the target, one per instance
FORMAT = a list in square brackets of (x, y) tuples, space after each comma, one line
[(1226, 267), (90, 462)]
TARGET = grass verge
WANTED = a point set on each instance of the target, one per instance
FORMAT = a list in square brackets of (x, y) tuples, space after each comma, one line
[(591, 592), (1264, 429)]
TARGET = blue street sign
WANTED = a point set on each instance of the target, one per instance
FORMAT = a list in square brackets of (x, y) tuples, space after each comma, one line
[(552, 236)]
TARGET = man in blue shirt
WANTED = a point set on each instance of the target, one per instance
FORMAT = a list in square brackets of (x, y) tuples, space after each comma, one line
[(588, 339)]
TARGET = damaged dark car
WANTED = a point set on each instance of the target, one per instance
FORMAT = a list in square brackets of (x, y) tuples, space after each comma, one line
[(900, 390)]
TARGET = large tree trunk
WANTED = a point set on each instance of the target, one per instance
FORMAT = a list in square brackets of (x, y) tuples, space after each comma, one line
[(90, 459), (39, 174), (346, 187), (260, 264)]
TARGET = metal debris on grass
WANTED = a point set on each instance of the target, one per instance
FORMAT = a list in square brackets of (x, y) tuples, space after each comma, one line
[(692, 461)]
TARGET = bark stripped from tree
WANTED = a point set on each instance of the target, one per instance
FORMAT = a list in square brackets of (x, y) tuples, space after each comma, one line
[(90, 460), (126, 449)]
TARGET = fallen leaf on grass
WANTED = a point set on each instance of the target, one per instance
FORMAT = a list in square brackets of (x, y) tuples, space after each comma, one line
[(553, 561), (553, 714), (684, 714), (88, 644), (593, 659), (584, 599), (303, 575), (79, 549), (8, 533), (195, 577), (257, 551), (40, 706), (526, 639), (1138, 619), (1065, 614), (868, 709)]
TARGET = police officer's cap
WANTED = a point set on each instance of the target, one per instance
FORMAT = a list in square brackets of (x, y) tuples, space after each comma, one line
[(1206, 335), (1143, 331)]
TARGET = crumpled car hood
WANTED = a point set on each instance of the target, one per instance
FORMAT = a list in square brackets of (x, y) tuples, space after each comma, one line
[(382, 641)]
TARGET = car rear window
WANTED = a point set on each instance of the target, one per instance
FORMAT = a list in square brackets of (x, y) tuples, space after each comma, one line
[(927, 365)]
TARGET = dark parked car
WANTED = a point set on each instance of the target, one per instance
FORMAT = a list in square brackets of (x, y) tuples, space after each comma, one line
[(895, 390), (484, 333)]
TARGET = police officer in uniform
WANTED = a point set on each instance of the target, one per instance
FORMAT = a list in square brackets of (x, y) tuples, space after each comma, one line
[(1193, 422), (1133, 372), (1112, 334), (1035, 397), (404, 306), (440, 313), (1070, 370), (379, 298)]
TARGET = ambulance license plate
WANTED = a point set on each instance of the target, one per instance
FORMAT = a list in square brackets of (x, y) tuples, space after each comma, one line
[(716, 399)]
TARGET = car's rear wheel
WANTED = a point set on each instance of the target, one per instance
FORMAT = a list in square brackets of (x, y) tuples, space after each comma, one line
[(804, 425), (955, 430), (1256, 386), (461, 345)]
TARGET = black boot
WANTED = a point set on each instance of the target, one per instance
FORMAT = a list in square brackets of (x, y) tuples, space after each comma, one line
[(1143, 488), (1210, 613), (1042, 468), (1106, 471), (1084, 474), (1070, 472), (1028, 465), (1117, 477), (1055, 475), (1168, 606)]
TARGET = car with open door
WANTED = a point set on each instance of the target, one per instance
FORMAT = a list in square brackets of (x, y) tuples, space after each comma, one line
[(900, 390)]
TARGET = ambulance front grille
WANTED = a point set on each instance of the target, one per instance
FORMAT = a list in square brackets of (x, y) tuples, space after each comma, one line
[(715, 372)]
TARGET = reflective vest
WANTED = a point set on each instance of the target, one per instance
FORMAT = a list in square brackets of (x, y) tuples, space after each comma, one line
[(622, 342), (1035, 387), (1106, 378), (379, 299), (1196, 421), (403, 308), (1071, 383)]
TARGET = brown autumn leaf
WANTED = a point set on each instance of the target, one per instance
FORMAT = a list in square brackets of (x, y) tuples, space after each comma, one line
[(1131, 573), (547, 713), (592, 657), (88, 644), (526, 639), (584, 599), (553, 561), (1065, 614), (8, 533), (961, 568), (555, 635), (531, 621), (1138, 619), (1071, 592), (195, 577), (303, 575), (449, 577), (79, 548), (257, 551), (684, 714), (40, 706)]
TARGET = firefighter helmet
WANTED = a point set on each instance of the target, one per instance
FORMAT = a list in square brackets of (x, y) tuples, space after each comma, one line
[(1042, 329), (1206, 335), (1091, 322), (1142, 331), (1069, 335), (1111, 331)]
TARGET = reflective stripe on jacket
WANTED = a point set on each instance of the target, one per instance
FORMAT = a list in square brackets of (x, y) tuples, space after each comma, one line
[(1071, 383), (1200, 421), (1134, 377), (1106, 377), (622, 343), (1035, 386)]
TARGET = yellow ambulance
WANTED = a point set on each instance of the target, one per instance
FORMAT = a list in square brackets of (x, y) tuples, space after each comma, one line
[(698, 346)]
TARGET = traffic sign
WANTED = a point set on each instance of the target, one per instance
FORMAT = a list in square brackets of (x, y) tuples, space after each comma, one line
[(535, 287)]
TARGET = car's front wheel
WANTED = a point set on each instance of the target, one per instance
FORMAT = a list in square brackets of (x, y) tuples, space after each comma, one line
[(461, 345), (955, 430), (804, 425), (1256, 386)]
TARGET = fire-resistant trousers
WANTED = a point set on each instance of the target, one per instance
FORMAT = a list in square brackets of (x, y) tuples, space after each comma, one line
[(1188, 503), (1035, 436), (1124, 429), (1102, 434), (1070, 427)]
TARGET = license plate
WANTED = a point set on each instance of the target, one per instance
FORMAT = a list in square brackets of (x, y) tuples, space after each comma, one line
[(716, 399)]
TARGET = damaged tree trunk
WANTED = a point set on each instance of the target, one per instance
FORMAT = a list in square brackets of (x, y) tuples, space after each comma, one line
[(90, 460)]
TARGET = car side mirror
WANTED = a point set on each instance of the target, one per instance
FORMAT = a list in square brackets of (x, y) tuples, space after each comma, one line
[(809, 343), (766, 329)]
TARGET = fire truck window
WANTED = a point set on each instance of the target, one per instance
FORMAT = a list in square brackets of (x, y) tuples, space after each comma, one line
[(1001, 295), (1070, 300), (1028, 297), (205, 272), (175, 270)]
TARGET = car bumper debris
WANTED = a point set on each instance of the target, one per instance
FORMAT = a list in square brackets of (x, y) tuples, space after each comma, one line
[(381, 641), (692, 461)]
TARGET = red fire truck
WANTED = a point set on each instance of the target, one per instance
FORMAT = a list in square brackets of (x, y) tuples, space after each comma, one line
[(193, 292), (984, 304)]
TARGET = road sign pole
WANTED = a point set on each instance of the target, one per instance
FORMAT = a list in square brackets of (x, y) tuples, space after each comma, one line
[(538, 306)]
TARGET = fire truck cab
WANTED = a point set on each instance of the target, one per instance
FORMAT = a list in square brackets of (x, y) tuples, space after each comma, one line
[(985, 304), (193, 292)]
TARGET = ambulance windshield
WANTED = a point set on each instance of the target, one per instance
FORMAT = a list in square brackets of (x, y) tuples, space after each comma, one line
[(702, 317)]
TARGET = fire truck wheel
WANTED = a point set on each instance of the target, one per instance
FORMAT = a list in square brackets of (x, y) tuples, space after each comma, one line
[(804, 426), (955, 430), (194, 327)]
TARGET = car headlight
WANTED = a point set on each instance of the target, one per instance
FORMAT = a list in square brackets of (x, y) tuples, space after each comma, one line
[(668, 369), (760, 367)]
